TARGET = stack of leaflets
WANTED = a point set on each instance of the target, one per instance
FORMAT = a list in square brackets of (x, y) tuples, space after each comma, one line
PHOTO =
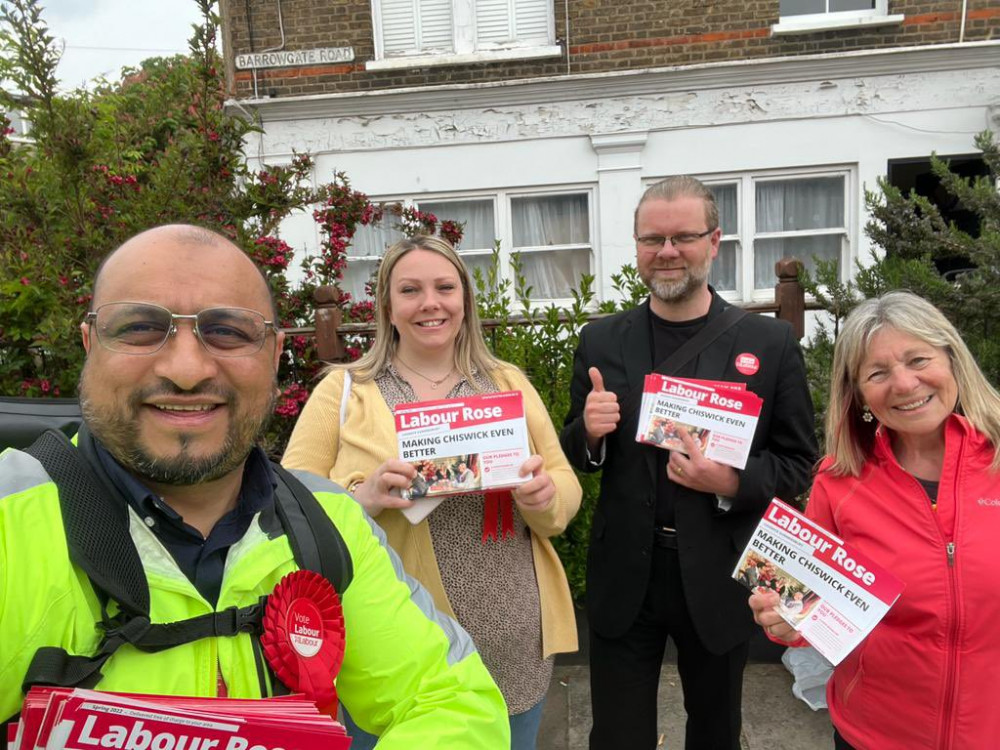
[(76, 719), (461, 445), (720, 417), (833, 595)]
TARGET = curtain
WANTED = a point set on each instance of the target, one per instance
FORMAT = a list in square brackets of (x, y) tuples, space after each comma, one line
[(550, 220), (356, 275), (553, 274), (367, 246), (795, 206), (372, 240), (546, 220), (477, 215), (725, 267)]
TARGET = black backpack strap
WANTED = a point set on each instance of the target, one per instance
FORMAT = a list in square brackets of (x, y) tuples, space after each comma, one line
[(316, 543), (96, 524), (54, 666)]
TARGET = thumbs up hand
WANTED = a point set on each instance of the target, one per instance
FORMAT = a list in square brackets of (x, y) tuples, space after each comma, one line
[(600, 412)]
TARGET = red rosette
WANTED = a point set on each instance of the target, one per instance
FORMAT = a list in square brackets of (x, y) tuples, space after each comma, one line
[(303, 636)]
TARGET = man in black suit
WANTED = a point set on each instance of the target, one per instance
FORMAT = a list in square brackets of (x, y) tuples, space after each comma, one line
[(668, 527)]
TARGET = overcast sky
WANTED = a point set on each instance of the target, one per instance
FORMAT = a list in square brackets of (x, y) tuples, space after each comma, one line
[(103, 36)]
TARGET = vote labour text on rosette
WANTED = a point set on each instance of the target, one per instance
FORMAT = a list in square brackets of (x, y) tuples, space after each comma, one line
[(833, 595), (463, 445), (720, 417)]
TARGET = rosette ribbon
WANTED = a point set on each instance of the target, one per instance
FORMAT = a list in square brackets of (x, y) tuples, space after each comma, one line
[(303, 636), (498, 503)]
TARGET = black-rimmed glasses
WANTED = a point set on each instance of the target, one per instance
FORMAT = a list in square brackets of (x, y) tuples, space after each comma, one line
[(142, 328), (657, 241)]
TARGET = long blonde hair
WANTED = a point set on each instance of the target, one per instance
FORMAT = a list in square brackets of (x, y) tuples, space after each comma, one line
[(849, 438), (471, 353)]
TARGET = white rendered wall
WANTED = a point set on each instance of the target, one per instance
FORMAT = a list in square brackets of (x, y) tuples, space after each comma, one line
[(611, 142)]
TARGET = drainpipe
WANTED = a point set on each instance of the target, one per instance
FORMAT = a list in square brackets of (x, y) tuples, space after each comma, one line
[(567, 36), (281, 46)]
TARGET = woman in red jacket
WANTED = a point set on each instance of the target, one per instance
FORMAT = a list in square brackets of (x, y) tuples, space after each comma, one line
[(912, 481)]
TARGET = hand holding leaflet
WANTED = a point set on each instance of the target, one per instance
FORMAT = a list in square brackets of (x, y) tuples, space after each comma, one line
[(692, 470), (457, 446), (719, 417), (802, 574)]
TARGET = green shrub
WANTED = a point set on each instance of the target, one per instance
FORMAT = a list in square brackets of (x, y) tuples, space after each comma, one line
[(909, 235)]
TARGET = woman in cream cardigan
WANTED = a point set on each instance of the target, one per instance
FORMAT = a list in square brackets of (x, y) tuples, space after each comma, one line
[(509, 592)]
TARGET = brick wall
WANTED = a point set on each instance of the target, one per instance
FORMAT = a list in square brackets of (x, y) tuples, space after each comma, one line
[(604, 35)]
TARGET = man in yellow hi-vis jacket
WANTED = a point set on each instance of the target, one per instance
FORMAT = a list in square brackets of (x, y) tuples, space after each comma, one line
[(182, 353)]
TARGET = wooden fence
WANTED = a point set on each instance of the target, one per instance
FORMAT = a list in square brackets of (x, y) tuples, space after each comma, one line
[(330, 331)]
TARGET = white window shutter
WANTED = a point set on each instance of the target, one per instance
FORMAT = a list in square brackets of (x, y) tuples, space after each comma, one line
[(532, 20), (503, 22), (494, 21), (415, 26)]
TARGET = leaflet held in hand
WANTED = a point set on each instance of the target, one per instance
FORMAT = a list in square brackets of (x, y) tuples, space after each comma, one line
[(720, 417), (832, 595), (461, 445)]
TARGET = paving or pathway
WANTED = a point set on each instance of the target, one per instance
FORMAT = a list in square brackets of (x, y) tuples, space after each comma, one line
[(773, 719)]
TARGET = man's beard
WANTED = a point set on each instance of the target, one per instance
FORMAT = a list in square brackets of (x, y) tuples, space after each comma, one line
[(681, 289), (116, 427)]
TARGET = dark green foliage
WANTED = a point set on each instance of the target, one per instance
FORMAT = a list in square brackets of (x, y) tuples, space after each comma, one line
[(156, 147), (909, 234)]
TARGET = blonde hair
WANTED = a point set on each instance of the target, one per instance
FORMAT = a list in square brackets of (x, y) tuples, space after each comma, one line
[(849, 438), (471, 353)]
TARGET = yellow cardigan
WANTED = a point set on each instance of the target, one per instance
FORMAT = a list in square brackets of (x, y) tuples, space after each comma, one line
[(368, 438)]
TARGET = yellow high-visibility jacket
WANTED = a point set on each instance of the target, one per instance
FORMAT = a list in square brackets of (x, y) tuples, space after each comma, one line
[(409, 672)]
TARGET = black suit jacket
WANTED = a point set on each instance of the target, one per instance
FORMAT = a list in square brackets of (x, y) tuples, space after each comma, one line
[(710, 540)]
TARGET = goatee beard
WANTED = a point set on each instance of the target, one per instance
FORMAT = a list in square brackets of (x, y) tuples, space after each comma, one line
[(117, 429), (680, 290)]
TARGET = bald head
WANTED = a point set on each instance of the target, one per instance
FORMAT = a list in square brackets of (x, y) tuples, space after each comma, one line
[(182, 411), (190, 252)]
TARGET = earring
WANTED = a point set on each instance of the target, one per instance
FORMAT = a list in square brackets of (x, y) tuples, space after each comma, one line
[(866, 414)]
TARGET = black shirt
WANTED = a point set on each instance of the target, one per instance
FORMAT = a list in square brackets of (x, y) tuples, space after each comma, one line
[(665, 338), (201, 559)]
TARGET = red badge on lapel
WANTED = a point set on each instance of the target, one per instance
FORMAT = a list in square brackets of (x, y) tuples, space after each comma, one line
[(747, 363)]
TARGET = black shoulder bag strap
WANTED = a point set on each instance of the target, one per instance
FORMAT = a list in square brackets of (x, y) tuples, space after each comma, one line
[(691, 348), (96, 524)]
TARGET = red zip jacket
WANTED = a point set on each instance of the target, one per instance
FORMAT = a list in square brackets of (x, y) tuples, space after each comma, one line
[(928, 675)]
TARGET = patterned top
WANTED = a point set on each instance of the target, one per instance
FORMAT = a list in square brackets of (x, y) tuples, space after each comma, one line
[(491, 585)]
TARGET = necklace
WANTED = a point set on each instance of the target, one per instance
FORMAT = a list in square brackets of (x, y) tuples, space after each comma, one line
[(434, 383)]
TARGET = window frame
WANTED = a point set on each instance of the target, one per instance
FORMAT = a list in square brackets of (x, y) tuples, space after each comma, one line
[(464, 43), (746, 231), (503, 225), (837, 19), (507, 244)]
